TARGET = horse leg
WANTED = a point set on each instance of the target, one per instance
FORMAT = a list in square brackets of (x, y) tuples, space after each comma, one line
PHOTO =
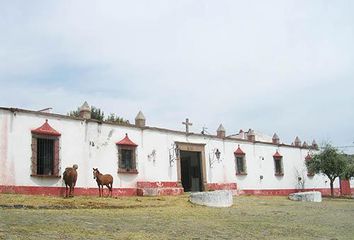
[(110, 188), (71, 191), (66, 190)]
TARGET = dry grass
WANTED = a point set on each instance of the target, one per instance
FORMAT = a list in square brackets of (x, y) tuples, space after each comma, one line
[(173, 218)]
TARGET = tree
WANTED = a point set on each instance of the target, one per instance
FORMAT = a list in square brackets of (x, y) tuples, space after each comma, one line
[(328, 162), (98, 114), (349, 171), (116, 119)]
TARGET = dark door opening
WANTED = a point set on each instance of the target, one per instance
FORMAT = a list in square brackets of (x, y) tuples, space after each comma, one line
[(191, 171)]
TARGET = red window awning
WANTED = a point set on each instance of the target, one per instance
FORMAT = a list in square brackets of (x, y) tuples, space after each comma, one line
[(126, 142), (46, 129), (277, 155), (239, 151)]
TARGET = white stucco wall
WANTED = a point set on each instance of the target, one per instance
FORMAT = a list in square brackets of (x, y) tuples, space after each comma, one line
[(91, 144)]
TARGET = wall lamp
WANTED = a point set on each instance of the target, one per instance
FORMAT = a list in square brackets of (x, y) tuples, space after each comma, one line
[(173, 153), (214, 156)]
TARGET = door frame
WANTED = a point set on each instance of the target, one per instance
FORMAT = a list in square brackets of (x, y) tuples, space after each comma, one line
[(192, 147)]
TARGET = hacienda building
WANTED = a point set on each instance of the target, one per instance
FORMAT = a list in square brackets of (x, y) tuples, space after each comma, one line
[(37, 146)]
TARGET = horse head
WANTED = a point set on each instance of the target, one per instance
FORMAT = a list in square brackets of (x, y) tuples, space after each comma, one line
[(95, 173)]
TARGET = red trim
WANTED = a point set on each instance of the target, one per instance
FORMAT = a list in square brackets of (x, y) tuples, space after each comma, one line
[(239, 151), (46, 129), (308, 157), (345, 187), (170, 188), (158, 188), (157, 184), (126, 141), (159, 191), (285, 192), (277, 155), (222, 186), (60, 191)]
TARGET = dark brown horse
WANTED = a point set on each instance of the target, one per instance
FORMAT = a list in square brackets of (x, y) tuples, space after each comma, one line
[(70, 177), (101, 180)]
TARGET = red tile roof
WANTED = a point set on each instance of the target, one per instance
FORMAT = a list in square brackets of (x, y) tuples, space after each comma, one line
[(308, 157), (46, 129), (239, 151), (126, 141), (277, 155)]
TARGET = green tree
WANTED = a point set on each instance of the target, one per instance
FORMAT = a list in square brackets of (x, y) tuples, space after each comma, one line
[(116, 119), (328, 162), (96, 113), (74, 113), (349, 171)]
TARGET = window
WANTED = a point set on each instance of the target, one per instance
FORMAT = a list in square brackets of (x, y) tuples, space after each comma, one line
[(45, 156), (278, 167), (240, 164), (240, 161), (45, 151), (126, 156), (126, 159), (309, 173), (278, 164)]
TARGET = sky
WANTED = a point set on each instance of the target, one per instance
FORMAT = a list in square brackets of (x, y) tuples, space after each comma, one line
[(274, 66)]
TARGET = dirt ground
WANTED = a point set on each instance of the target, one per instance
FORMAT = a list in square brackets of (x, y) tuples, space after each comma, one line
[(37, 217)]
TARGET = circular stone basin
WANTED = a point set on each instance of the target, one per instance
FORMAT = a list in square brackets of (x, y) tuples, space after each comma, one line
[(220, 198)]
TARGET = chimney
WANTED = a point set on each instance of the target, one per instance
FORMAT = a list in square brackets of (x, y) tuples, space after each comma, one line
[(251, 136), (241, 134), (220, 133), (275, 139), (314, 145), (140, 120), (85, 111), (297, 142)]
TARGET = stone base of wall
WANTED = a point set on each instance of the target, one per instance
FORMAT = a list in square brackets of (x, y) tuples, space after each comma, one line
[(159, 189), (286, 192), (223, 186), (60, 191)]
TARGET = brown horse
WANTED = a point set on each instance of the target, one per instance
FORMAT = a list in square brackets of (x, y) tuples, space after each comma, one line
[(101, 180), (70, 177)]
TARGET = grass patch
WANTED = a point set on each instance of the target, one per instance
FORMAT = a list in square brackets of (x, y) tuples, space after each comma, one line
[(251, 217)]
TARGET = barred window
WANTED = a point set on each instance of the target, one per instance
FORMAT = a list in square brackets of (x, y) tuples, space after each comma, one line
[(309, 172), (127, 159), (45, 152), (240, 165), (240, 161), (126, 156), (278, 164), (45, 156)]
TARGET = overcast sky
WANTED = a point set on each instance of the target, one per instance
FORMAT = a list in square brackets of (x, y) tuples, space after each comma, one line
[(274, 66)]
